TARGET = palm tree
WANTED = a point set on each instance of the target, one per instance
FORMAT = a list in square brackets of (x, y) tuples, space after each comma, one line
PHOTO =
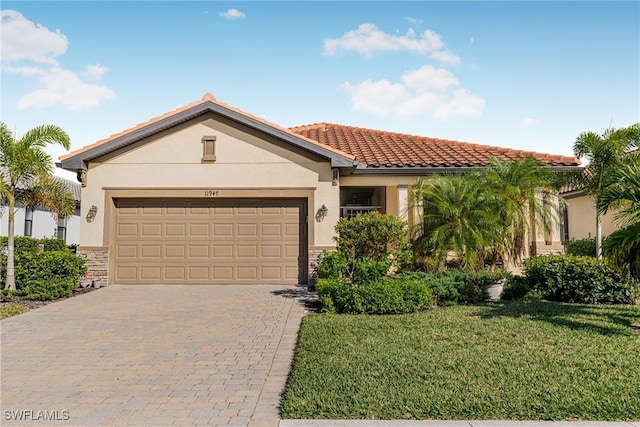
[(624, 196), (521, 192), (26, 176), (456, 217), (604, 154)]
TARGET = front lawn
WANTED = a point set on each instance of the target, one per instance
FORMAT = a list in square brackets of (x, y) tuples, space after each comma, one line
[(539, 361)]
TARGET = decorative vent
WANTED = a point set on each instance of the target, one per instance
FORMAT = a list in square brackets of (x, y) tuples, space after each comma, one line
[(208, 148)]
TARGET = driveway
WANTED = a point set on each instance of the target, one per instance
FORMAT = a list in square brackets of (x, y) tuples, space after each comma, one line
[(151, 355)]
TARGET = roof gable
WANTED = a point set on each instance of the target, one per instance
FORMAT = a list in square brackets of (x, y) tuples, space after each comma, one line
[(382, 149), (77, 159)]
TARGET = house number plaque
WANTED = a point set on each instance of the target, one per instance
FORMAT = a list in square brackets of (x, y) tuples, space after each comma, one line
[(211, 193)]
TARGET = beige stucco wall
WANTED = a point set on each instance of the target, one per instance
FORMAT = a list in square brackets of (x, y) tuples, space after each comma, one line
[(242, 161), (581, 214)]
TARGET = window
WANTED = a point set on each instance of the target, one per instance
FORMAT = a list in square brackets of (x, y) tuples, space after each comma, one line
[(62, 228), (28, 222), (208, 148)]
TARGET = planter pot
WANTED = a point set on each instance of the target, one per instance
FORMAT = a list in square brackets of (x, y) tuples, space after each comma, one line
[(493, 292)]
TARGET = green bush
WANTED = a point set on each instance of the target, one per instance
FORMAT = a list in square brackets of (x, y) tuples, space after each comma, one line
[(451, 287), (579, 280), (517, 288), (366, 271), (389, 296), (580, 247), (29, 244), (48, 289), (334, 265), (376, 237), (46, 275)]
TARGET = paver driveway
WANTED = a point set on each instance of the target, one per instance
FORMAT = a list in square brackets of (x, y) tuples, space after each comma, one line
[(151, 355)]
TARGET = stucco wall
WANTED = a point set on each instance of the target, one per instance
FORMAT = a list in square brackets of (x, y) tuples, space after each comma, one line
[(582, 218), (242, 161)]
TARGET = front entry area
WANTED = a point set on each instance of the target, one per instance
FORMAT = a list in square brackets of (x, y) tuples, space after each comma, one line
[(217, 241)]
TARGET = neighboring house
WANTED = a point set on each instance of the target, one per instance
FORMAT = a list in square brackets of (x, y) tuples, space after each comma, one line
[(580, 216), (208, 193), (41, 223)]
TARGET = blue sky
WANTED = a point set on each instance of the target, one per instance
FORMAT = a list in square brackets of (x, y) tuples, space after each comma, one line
[(526, 75)]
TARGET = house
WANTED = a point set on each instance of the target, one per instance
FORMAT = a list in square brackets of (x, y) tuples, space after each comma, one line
[(208, 193), (580, 216), (41, 223)]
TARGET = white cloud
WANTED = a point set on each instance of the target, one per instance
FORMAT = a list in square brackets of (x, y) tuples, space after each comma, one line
[(65, 87), (427, 91), (233, 14), (414, 20), (368, 39), (26, 40), (95, 71), (528, 121), (36, 49)]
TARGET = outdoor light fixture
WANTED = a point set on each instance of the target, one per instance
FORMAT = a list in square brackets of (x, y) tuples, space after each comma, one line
[(322, 213), (91, 215)]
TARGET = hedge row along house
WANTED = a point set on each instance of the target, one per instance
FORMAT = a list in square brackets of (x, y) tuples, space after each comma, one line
[(208, 193)]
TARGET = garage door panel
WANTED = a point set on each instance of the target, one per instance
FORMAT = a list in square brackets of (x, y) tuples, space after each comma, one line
[(210, 241), (151, 251), (174, 251), (175, 230), (127, 230), (245, 229), (222, 251), (151, 272), (151, 230)]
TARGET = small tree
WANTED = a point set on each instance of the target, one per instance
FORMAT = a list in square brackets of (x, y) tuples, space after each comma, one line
[(26, 176), (623, 245), (605, 154)]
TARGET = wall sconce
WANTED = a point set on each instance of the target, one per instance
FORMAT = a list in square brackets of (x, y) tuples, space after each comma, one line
[(91, 215), (322, 213)]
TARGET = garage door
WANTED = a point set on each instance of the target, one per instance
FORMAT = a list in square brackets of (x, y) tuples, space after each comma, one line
[(210, 241)]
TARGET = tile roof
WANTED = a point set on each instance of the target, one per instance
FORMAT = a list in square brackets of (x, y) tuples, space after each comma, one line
[(390, 149), (206, 99)]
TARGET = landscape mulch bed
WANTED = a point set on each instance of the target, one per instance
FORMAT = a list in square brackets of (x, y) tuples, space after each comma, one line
[(31, 304)]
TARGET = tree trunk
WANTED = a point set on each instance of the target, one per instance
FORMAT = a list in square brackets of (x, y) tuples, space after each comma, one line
[(11, 279), (598, 236)]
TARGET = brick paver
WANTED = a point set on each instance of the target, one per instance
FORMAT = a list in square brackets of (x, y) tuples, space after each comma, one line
[(151, 355)]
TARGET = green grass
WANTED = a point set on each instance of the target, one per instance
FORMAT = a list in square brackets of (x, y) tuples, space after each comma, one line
[(8, 310), (540, 361)]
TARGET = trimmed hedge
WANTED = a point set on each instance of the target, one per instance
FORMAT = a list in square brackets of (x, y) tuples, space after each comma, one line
[(389, 296), (44, 274), (580, 247), (28, 244), (452, 287), (577, 279)]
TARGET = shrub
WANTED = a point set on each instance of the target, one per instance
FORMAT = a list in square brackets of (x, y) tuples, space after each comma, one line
[(389, 296), (580, 247), (24, 244), (374, 236), (517, 288), (579, 280), (46, 275), (48, 289), (334, 265)]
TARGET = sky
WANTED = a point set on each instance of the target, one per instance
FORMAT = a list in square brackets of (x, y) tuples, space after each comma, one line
[(523, 75)]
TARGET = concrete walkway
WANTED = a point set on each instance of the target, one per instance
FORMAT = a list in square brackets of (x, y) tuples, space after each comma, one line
[(151, 355)]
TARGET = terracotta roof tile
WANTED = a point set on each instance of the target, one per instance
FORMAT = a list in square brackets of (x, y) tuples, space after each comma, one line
[(380, 148), (205, 99)]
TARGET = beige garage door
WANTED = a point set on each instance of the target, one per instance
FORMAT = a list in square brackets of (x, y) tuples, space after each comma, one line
[(210, 241)]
